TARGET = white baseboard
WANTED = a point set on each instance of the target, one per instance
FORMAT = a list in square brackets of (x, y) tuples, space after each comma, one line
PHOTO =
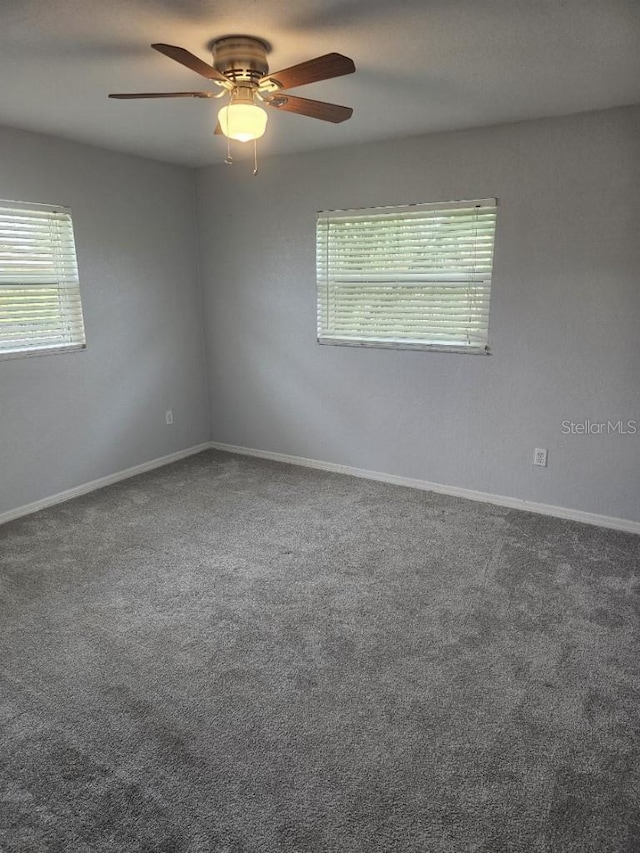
[(624, 524), (84, 488)]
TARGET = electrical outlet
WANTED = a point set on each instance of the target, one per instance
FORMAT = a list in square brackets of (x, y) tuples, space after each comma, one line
[(168, 416), (540, 456)]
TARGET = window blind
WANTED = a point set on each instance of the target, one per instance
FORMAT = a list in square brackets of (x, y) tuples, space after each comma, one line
[(40, 308), (417, 276)]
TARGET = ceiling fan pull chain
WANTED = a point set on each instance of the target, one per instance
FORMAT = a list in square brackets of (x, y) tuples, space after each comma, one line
[(255, 157), (229, 159)]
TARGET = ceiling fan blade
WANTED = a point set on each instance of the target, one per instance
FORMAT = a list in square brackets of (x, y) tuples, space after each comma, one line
[(306, 107), (218, 130), (322, 68), (131, 95), (179, 54)]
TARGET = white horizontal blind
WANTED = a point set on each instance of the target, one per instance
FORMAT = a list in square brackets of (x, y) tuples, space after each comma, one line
[(40, 309), (417, 276)]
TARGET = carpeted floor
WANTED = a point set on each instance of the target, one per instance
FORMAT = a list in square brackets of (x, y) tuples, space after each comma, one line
[(236, 656)]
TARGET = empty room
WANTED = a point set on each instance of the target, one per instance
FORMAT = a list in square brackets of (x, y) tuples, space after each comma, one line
[(319, 426)]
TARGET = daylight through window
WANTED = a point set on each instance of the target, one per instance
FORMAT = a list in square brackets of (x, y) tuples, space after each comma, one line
[(40, 308), (417, 276)]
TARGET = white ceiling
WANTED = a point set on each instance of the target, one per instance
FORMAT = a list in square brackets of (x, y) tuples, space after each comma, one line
[(422, 65)]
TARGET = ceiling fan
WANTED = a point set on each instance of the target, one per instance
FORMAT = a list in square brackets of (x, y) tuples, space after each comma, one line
[(240, 69)]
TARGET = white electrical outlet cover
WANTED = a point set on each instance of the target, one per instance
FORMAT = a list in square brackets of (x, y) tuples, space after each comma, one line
[(540, 456)]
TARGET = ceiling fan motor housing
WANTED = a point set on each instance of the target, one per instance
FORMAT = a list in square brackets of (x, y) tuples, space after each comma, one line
[(241, 58)]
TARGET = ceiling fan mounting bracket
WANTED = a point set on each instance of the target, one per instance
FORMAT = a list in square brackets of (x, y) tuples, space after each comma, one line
[(241, 58)]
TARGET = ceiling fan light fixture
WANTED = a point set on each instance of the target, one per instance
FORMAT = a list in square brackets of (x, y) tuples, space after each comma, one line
[(240, 68), (243, 122)]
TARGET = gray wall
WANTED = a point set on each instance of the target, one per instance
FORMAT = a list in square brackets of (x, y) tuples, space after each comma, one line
[(564, 320), (68, 419)]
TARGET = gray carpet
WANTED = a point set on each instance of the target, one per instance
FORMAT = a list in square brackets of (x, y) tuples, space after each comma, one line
[(233, 656)]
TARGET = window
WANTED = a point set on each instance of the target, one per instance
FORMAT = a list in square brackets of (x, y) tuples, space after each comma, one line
[(406, 277), (40, 309)]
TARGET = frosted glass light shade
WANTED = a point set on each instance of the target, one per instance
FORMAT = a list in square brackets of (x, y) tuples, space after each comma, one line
[(243, 122)]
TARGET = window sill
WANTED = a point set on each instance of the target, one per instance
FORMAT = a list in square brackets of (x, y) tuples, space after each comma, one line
[(30, 353), (405, 345)]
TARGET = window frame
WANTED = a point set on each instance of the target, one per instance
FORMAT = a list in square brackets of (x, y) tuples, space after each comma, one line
[(331, 267), (59, 253)]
